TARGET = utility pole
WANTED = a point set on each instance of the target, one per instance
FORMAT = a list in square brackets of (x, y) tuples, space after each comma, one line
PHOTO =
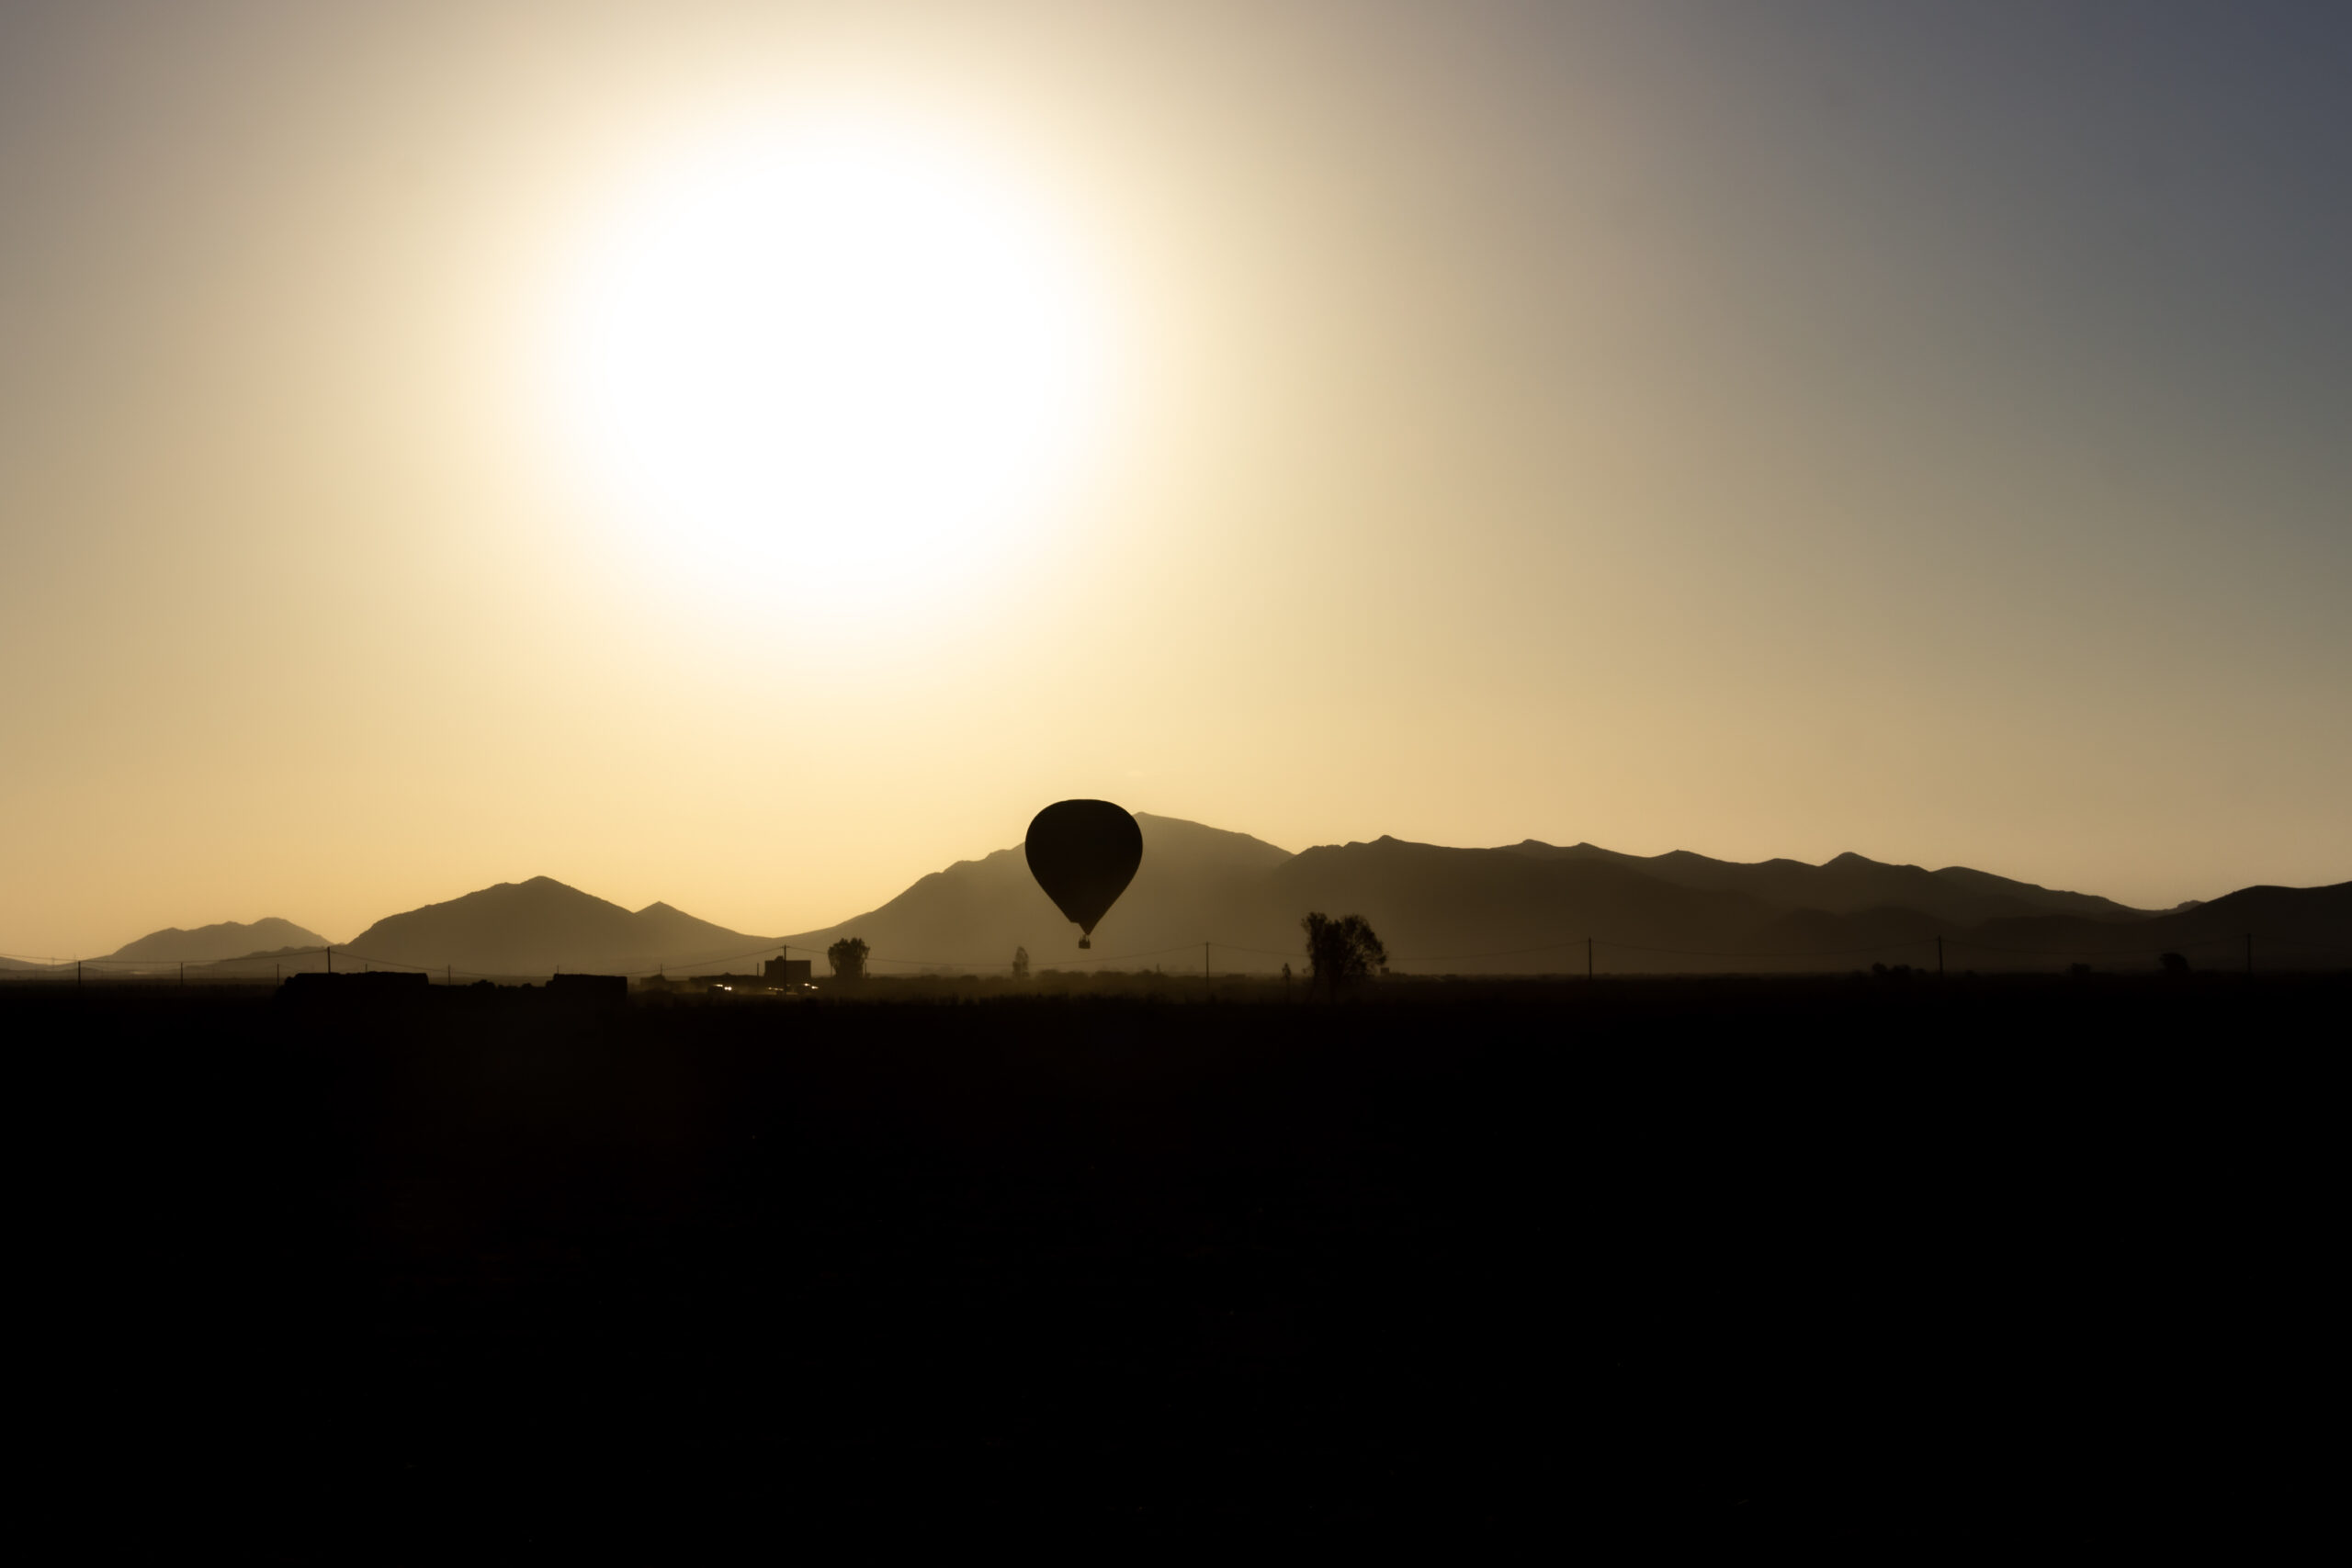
[(330, 960)]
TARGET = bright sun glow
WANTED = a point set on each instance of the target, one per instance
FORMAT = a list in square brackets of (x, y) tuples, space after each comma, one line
[(842, 353)]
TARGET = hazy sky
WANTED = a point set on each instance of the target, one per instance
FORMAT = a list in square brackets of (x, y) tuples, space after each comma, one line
[(1760, 429)]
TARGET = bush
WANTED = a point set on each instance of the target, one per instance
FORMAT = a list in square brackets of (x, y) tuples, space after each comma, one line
[(1342, 950)]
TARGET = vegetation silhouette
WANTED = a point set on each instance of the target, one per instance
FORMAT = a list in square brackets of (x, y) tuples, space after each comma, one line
[(1083, 854), (1339, 952), (848, 958)]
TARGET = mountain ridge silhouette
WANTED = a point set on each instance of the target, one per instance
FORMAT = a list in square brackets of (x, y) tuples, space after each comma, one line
[(1516, 909), (210, 945), (1850, 882), (1523, 907), (540, 927)]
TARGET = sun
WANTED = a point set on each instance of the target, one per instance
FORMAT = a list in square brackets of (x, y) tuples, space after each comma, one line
[(841, 350)]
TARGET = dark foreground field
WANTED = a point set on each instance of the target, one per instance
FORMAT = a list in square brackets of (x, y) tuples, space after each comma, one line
[(1852, 1268)]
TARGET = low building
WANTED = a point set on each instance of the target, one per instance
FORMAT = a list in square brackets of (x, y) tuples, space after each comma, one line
[(603, 990), (366, 988)]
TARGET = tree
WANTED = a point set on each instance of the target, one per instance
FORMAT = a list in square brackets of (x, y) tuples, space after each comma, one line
[(1340, 951), (848, 958), (1021, 963)]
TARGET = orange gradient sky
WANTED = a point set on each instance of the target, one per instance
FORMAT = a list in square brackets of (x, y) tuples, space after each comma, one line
[(1763, 430)]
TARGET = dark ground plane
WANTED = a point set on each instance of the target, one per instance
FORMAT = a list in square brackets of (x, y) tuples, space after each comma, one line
[(1846, 1266)]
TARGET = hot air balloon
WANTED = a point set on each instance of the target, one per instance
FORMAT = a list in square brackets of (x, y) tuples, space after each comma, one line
[(1083, 854)]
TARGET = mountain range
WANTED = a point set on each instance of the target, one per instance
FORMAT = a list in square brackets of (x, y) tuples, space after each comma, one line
[(205, 945), (1528, 909), (542, 927), (1523, 907), (209, 945)]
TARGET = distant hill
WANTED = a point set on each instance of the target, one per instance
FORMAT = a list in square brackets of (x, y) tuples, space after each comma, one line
[(540, 927), (1853, 883), (209, 945), (2287, 925)]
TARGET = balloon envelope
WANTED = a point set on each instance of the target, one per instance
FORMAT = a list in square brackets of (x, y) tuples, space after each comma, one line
[(1083, 854)]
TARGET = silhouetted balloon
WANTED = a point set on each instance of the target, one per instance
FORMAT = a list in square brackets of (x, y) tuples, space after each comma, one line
[(1083, 854)]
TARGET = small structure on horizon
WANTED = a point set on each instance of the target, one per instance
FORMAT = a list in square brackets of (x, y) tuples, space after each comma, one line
[(787, 971), (368, 987), (596, 990)]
